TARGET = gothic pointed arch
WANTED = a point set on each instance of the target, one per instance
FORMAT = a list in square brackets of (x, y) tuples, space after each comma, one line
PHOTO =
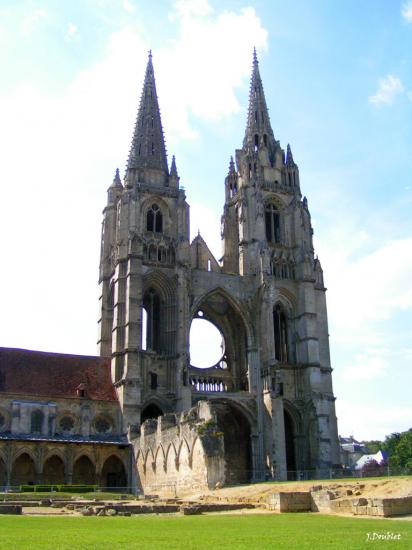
[(113, 473), (84, 471), (159, 292), (233, 371), (54, 469), (23, 470)]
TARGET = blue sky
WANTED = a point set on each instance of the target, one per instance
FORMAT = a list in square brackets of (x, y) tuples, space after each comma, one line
[(338, 83)]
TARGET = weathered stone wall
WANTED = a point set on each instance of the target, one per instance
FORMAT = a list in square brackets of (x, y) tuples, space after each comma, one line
[(290, 502), (80, 416), (177, 452)]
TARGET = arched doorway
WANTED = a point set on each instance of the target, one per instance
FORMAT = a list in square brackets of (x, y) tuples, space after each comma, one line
[(84, 472), (290, 445), (113, 473), (53, 471), (3, 474), (151, 411), (236, 436), (23, 471)]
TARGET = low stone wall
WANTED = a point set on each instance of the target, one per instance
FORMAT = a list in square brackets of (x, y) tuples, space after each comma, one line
[(325, 502), (383, 507), (290, 502), (10, 509), (321, 501)]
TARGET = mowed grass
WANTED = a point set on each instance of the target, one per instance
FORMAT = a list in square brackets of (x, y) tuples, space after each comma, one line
[(292, 531)]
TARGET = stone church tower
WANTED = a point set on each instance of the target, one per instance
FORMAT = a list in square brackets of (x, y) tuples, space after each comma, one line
[(267, 407)]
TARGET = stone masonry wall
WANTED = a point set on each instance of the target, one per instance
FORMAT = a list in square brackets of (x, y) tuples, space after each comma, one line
[(177, 452)]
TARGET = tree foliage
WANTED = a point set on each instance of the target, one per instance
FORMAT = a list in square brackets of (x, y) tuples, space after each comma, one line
[(398, 446)]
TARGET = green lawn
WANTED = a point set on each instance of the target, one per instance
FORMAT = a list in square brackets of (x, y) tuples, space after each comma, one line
[(292, 531)]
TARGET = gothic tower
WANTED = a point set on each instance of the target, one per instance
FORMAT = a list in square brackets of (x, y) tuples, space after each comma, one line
[(143, 272), (271, 393), (267, 237)]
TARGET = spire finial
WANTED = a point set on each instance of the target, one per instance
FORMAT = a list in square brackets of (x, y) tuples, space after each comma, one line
[(255, 59), (148, 151), (117, 182), (258, 123), (289, 156), (173, 168), (232, 169)]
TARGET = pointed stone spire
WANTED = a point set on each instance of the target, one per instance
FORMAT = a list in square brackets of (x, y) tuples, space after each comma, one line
[(173, 169), (174, 176), (258, 122), (148, 151), (117, 182), (232, 170), (116, 189), (289, 157), (231, 182)]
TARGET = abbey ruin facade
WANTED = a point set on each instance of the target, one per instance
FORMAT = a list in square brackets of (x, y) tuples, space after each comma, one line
[(266, 409)]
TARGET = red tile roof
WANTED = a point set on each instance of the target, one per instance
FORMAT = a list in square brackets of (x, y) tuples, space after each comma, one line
[(37, 373)]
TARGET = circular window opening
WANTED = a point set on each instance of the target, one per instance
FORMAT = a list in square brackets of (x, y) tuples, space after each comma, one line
[(206, 344), (102, 425), (66, 424)]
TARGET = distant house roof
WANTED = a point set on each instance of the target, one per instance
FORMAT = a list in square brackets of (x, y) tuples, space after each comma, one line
[(37, 373), (378, 457)]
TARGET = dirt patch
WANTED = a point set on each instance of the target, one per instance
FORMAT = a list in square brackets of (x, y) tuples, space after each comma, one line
[(259, 492)]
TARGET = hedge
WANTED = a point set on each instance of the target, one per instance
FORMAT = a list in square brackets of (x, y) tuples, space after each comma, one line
[(57, 488)]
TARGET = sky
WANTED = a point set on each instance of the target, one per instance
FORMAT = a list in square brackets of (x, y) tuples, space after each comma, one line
[(338, 84)]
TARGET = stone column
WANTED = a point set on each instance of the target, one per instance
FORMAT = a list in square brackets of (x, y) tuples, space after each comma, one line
[(279, 443), (255, 386)]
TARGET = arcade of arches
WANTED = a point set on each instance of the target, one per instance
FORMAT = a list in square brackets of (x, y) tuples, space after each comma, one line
[(106, 469)]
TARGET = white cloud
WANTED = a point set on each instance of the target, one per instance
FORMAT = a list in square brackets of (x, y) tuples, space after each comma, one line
[(33, 20), (129, 6), (407, 11), (371, 363), (192, 8), (373, 421), (388, 88), (210, 59), (72, 29), (364, 288)]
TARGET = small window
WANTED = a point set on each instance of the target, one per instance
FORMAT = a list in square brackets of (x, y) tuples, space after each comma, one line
[(66, 424), (153, 380), (36, 423)]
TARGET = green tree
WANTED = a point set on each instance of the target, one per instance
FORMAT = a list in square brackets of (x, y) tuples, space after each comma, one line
[(399, 449), (374, 445)]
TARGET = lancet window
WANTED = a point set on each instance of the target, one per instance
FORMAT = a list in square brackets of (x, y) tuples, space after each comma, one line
[(154, 219), (151, 303), (272, 222), (280, 327)]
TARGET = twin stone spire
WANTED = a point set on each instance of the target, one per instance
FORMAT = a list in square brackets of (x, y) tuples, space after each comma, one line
[(147, 160)]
